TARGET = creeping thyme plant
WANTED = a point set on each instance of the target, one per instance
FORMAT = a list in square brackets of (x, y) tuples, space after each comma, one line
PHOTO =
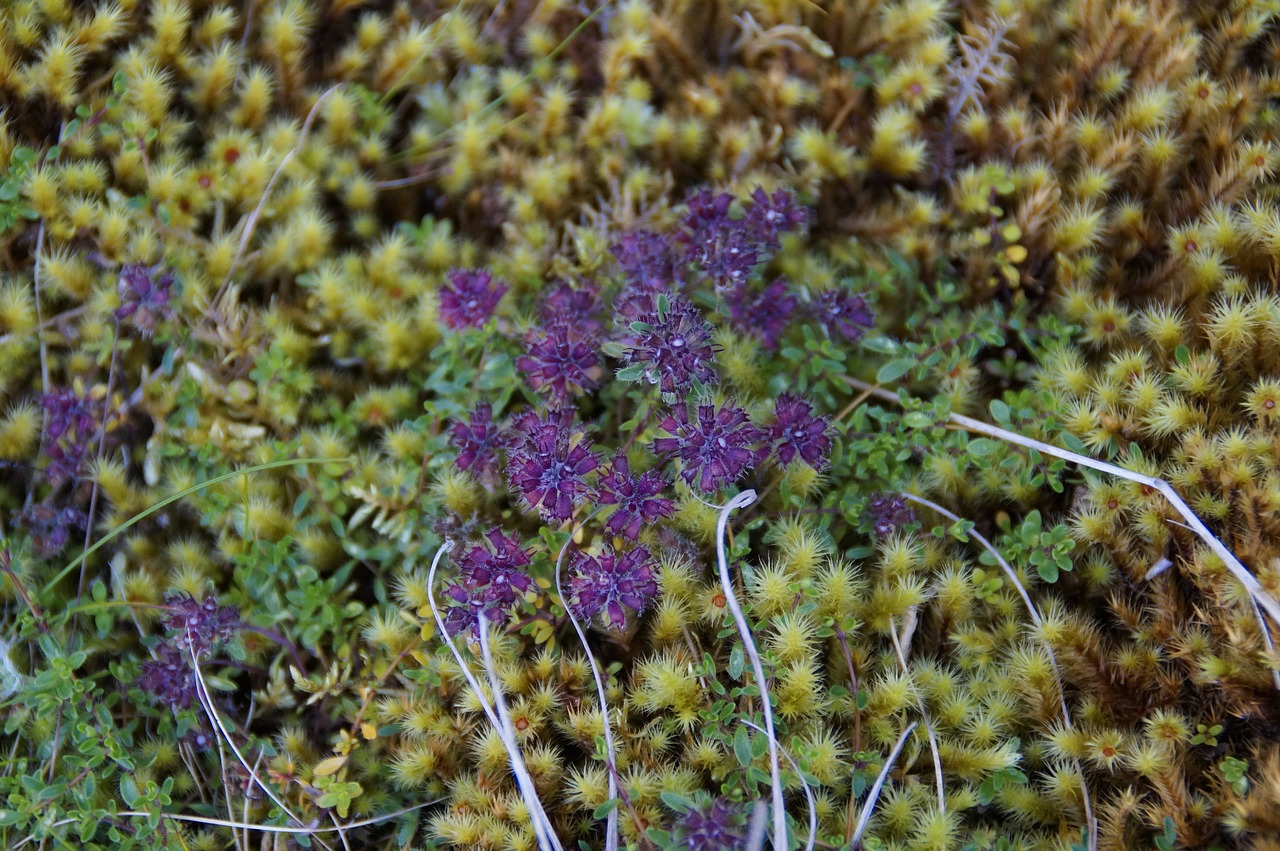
[(639, 424)]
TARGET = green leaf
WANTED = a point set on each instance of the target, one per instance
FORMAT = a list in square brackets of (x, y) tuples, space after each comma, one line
[(895, 369), (881, 344), (737, 662), (602, 811), (635, 372), (742, 746), (679, 803), (982, 447), (1000, 411), (129, 791), (917, 419)]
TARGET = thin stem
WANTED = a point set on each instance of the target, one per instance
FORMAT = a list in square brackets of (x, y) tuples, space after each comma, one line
[(143, 515), (611, 758), (924, 714), (6, 564), (206, 703), (757, 666), (44, 349), (1091, 825), (541, 824), (1233, 564), (518, 767), (102, 445), (857, 400), (808, 792), (251, 223), (874, 794)]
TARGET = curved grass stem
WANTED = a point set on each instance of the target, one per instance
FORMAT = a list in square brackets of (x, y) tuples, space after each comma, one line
[(541, 824), (1091, 824), (611, 757), (757, 666)]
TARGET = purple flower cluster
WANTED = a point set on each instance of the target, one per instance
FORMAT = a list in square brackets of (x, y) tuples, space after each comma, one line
[(844, 313), (609, 582), (716, 446), (723, 248), (196, 627), (648, 262), (490, 581), (560, 360), (199, 626), (144, 295), (73, 424), (664, 339), (468, 298), (50, 527), (889, 512), (578, 307), (169, 677), (636, 497), (770, 216), (728, 250), (477, 442), (796, 432), (673, 347), (717, 825), (765, 312), (547, 462)]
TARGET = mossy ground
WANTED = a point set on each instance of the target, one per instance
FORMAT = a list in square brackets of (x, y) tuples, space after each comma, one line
[(226, 230)]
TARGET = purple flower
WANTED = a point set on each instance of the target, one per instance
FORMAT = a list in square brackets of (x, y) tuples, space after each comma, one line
[(725, 249), (561, 360), (845, 313), (199, 626), (717, 825), (469, 298), (636, 497), (728, 258), (765, 314), (889, 512), (531, 429), (648, 260), (578, 307), (546, 465), (490, 581), (608, 583), (477, 442), (50, 527), (169, 677), (673, 347), (706, 213), (769, 216), (717, 447), (73, 424), (796, 431), (144, 295)]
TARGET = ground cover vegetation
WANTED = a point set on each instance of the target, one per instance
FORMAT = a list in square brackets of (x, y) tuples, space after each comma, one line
[(547, 425)]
